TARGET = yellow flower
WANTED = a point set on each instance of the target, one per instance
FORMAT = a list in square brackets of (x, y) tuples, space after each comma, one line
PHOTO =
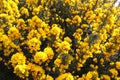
[(31, 3), (105, 77), (37, 10), (33, 33), (13, 33), (49, 52), (84, 26), (40, 57), (114, 72), (102, 61), (64, 47), (16, 1), (56, 30), (111, 19), (89, 75), (24, 11), (95, 60), (21, 24), (118, 64), (21, 70), (66, 76), (67, 39), (48, 77), (68, 20), (1, 59), (77, 34), (34, 44), (112, 63), (6, 40), (92, 75), (57, 62), (18, 59), (77, 20), (14, 8), (42, 33), (36, 71)]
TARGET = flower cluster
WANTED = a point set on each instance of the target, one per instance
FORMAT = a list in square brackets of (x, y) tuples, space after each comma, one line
[(60, 39)]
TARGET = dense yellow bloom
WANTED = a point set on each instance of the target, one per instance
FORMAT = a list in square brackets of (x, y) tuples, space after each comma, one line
[(31, 3), (67, 39), (35, 22), (66, 76), (84, 26), (95, 60), (36, 10), (57, 62), (89, 75), (92, 75), (111, 19), (56, 30), (43, 33), (48, 77), (77, 34), (64, 47), (0, 59), (68, 20), (21, 24), (33, 33), (49, 52), (7, 44), (64, 37), (14, 8), (77, 20), (18, 59), (114, 72), (36, 71), (24, 11), (6, 40), (118, 65), (21, 70), (34, 45), (105, 77), (40, 57), (13, 33)]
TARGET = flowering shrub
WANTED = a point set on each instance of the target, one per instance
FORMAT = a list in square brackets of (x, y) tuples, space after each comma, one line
[(60, 39)]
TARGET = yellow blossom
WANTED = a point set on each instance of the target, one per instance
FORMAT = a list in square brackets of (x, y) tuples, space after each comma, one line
[(56, 30), (36, 10), (105, 77), (57, 62), (13, 33), (64, 47), (40, 57), (68, 20), (66, 76), (24, 11), (18, 59), (67, 39), (114, 72), (0, 59), (92, 75), (21, 70), (48, 77), (33, 33), (31, 3), (34, 44), (36, 71), (84, 26), (118, 65), (77, 20), (49, 52)]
